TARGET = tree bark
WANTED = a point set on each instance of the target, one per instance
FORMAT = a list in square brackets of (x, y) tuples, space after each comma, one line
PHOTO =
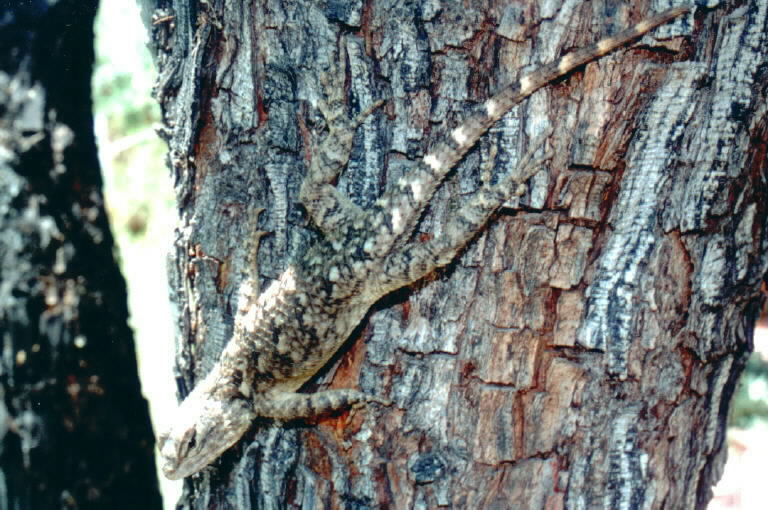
[(75, 428), (583, 350)]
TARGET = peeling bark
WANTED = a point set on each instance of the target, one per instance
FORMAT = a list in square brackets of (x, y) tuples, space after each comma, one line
[(583, 350)]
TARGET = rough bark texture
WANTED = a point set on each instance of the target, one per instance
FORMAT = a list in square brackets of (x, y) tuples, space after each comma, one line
[(582, 352), (75, 429)]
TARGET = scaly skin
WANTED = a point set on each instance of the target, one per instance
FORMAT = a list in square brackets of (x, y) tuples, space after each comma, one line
[(283, 337)]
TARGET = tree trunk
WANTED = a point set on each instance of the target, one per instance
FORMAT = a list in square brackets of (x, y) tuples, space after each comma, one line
[(583, 350), (75, 429)]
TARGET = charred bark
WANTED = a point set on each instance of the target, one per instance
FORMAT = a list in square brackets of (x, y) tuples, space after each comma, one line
[(75, 428)]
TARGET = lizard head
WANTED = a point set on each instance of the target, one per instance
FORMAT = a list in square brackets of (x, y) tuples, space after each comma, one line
[(204, 425)]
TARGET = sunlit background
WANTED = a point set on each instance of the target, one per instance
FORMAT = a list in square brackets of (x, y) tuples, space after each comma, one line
[(139, 199), (142, 211)]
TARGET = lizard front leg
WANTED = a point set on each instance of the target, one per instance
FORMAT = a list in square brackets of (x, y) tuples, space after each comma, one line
[(292, 406), (215, 415)]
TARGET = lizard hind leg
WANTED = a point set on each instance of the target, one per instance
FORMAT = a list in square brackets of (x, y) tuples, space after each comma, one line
[(291, 406), (417, 260), (326, 205)]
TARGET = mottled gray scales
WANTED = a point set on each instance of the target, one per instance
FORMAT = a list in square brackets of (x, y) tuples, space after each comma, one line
[(284, 335)]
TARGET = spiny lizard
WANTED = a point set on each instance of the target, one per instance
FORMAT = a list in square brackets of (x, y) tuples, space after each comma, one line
[(283, 337)]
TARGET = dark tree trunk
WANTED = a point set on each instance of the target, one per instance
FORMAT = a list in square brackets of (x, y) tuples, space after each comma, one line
[(583, 350), (75, 429)]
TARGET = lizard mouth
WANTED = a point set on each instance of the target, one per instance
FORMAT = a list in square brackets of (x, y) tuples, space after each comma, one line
[(211, 427), (169, 456)]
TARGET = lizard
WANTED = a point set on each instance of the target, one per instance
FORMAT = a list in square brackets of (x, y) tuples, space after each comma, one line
[(285, 335)]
